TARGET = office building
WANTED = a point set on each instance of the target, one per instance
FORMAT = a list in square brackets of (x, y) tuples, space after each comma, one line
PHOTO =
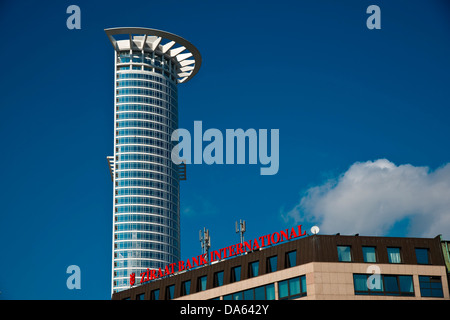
[(315, 267), (148, 66)]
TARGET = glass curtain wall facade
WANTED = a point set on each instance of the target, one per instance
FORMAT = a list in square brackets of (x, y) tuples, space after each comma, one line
[(146, 223)]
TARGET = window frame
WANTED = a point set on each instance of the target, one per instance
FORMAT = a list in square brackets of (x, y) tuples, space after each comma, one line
[(399, 254), (216, 282), (375, 253), (427, 256), (199, 283), (183, 288), (140, 296), (270, 263), (340, 255), (430, 282), (250, 269), (170, 294), (233, 277), (287, 263), (382, 291), (302, 291), (242, 294), (154, 294)]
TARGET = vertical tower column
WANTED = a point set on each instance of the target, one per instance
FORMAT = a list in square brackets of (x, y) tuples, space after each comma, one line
[(149, 64)]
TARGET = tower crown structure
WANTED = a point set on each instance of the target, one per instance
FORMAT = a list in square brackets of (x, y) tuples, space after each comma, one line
[(186, 59), (149, 64)]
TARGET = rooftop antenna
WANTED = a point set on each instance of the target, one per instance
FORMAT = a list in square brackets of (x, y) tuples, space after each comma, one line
[(205, 239), (240, 228)]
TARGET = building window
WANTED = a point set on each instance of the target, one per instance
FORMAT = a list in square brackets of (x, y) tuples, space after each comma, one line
[(236, 274), (140, 296), (270, 292), (202, 283), (272, 264), (170, 290), (394, 255), (292, 288), (389, 285), (369, 254), (253, 269), (431, 286), (249, 294), (362, 287), (291, 259), (344, 253), (218, 279), (186, 288), (422, 256), (234, 296), (406, 285), (154, 295), (266, 292)]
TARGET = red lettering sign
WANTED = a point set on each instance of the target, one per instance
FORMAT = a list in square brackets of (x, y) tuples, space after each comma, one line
[(236, 249)]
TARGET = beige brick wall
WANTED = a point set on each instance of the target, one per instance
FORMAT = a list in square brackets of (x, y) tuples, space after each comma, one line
[(335, 280), (330, 280)]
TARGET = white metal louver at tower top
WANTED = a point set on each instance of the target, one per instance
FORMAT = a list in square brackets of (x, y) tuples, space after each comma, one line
[(149, 64)]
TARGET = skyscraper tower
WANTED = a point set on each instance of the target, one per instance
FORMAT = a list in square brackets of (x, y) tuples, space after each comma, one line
[(149, 64)]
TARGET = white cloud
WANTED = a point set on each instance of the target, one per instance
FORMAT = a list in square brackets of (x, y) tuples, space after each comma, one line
[(370, 197)]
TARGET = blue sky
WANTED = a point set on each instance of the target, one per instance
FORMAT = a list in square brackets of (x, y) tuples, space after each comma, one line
[(343, 97)]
